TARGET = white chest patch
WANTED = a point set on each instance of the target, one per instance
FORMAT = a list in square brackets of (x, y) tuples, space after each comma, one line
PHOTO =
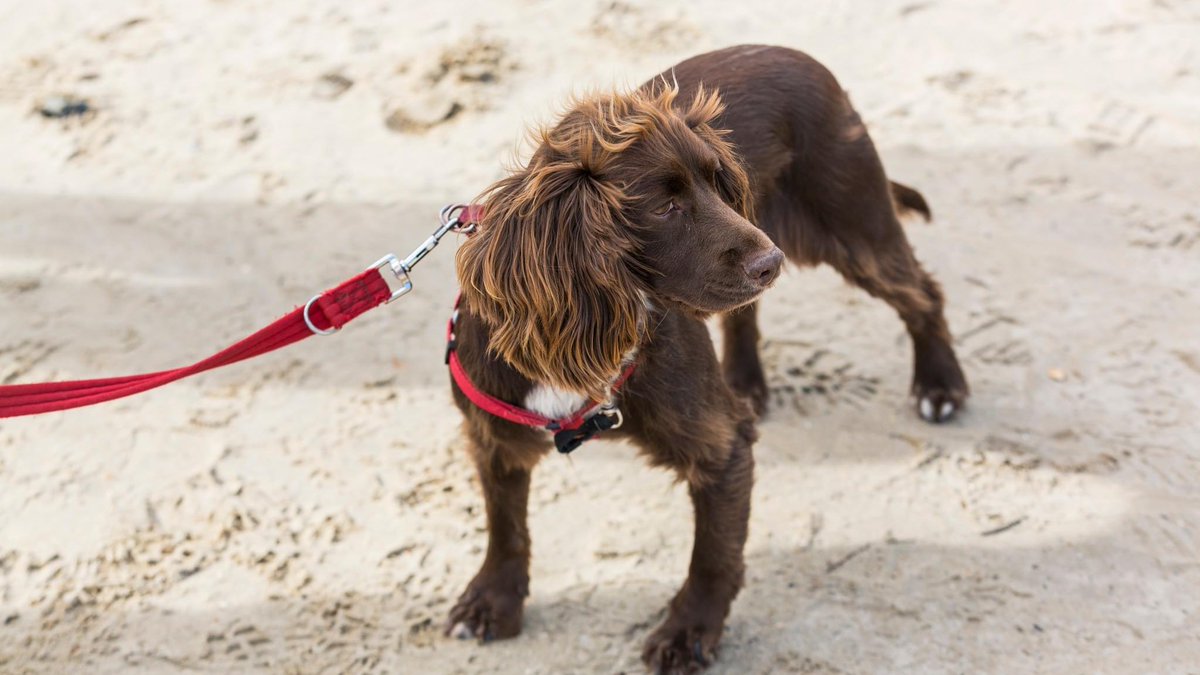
[(557, 403), (552, 402)]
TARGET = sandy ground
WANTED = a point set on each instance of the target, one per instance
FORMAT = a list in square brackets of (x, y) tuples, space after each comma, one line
[(313, 511)]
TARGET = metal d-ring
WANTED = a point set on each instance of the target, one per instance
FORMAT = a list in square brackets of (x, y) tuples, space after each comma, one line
[(449, 218), (613, 413), (308, 322)]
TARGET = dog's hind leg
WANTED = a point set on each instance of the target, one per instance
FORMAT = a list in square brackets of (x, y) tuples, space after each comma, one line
[(493, 604), (882, 263), (740, 361), (840, 208)]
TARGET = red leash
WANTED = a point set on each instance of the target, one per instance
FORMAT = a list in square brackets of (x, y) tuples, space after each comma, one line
[(325, 314), (322, 315)]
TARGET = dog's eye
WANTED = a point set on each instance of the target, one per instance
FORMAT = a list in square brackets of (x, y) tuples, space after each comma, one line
[(667, 209)]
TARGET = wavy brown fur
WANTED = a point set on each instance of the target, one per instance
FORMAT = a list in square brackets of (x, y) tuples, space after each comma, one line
[(553, 269), (632, 222)]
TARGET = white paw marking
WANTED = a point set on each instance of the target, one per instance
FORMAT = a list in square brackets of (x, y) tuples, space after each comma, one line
[(927, 410), (462, 632), (946, 411)]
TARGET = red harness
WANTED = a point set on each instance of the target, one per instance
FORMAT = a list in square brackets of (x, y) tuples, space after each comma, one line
[(569, 432)]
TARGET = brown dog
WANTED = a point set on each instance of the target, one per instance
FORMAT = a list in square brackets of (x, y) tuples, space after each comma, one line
[(638, 216)]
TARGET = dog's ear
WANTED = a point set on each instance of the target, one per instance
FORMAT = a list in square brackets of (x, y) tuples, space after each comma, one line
[(549, 272), (703, 116)]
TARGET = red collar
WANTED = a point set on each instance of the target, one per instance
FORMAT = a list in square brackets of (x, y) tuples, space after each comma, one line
[(570, 431)]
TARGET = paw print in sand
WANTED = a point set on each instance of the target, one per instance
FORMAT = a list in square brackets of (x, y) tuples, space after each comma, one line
[(806, 379)]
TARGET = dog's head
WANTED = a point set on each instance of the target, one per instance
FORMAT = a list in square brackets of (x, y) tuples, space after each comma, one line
[(628, 201)]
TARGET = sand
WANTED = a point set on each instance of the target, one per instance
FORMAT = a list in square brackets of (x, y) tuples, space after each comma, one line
[(313, 510)]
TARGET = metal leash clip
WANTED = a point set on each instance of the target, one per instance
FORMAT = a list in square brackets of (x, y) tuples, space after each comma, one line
[(449, 221), (448, 217)]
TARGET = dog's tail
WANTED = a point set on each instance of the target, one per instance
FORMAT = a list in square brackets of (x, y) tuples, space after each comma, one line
[(908, 200)]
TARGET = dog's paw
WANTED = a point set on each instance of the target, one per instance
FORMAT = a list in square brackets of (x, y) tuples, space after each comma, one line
[(676, 647), (488, 610), (939, 385), (937, 406)]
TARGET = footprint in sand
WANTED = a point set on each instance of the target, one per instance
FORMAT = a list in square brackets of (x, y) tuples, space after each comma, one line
[(461, 80), (806, 379)]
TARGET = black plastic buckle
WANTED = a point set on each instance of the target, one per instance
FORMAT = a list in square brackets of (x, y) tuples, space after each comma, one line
[(568, 440)]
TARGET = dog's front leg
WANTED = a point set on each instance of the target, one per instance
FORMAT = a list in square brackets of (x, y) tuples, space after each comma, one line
[(741, 363), (687, 639), (493, 604)]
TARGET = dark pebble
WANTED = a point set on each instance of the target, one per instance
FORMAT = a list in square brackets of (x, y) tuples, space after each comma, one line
[(60, 106)]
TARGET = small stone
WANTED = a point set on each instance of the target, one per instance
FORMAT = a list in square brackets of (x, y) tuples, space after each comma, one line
[(1057, 374), (59, 106)]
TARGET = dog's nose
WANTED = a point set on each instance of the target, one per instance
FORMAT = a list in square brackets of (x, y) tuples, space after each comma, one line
[(764, 267)]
